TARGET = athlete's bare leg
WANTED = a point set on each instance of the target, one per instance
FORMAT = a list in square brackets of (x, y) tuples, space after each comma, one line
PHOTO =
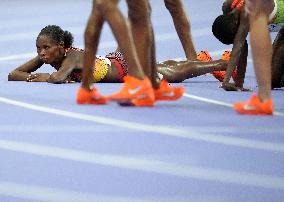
[(278, 60), (107, 9), (139, 17), (123, 35), (174, 71), (261, 46), (260, 104), (92, 35), (182, 26)]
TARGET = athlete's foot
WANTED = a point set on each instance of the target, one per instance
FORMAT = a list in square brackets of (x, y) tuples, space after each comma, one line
[(90, 97), (167, 92), (254, 106), (135, 92)]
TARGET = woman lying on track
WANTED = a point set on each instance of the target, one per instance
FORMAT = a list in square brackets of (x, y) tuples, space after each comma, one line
[(54, 47)]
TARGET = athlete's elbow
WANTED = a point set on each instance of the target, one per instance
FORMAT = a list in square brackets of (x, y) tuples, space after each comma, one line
[(12, 76)]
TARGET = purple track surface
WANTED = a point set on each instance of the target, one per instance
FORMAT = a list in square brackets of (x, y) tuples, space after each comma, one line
[(196, 149)]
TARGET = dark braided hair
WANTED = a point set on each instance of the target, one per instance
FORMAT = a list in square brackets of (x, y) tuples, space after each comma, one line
[(55, 33), (224, 28)]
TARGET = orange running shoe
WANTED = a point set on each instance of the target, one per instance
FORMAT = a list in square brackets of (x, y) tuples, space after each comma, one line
[(135, 92), (226, 55), (204, 56), (90, 97), (220, 75), (254, 106), (167, 92)]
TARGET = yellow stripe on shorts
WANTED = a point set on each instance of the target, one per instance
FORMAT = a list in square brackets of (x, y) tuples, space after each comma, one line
[(100, 69)]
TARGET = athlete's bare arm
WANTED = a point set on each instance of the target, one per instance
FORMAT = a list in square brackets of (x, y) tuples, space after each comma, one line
[(237, 55), (73, 61), (23, 72)]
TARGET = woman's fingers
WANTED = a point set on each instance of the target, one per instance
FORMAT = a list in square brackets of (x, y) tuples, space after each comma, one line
[(31, 77)]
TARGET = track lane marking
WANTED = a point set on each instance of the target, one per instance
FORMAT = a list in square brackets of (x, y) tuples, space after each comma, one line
[(169, 131), (148, 165)]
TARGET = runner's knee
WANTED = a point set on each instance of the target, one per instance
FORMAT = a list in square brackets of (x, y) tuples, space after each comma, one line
[(139, 13), (106, 6)]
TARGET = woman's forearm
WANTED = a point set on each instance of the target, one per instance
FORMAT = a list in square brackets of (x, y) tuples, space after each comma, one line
[(57, 77), (18, 76)]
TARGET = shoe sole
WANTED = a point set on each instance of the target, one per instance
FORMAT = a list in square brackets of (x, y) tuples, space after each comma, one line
[(239, 109), (177, 94)]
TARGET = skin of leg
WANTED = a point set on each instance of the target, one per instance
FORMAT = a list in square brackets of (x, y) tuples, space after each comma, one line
[(261, 49), (174, 71), (139, 18), (112, 75), (92, 35), (182, 26), (154, 76), (154, 72), (123, 35), (277, 60)]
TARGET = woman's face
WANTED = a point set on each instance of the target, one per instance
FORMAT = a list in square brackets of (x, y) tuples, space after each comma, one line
[(49, 51)]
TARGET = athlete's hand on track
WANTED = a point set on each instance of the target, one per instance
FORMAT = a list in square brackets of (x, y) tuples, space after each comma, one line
[(38, 77), (233, 87)]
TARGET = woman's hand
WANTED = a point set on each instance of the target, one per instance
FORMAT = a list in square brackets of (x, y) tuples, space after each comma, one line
[(38, 77), (233, 87)]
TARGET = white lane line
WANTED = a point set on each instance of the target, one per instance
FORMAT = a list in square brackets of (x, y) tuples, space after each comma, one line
[(211, 101), (202, 99), (41, 193), (77, 129), (152, 129), (148, 165)]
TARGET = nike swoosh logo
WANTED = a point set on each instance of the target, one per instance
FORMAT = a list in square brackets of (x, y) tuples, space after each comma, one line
[(249, 108), (169, 94), (133, 91)]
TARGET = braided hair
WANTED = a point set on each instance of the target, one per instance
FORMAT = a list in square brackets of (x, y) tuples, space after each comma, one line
[(55, 33)]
